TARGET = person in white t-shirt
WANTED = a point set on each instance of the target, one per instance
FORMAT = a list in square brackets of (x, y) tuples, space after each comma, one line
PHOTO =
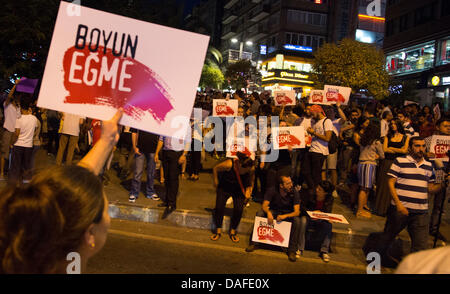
[(21, 157), (11, 113), (321, 133), (69, 137)]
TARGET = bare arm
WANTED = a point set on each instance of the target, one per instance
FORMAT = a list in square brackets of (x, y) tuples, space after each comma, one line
[(266, 209), (99, 154), (400, 208), (295, 213), (221, 167)]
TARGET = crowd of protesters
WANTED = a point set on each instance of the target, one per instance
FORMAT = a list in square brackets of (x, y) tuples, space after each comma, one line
[(352, 152)]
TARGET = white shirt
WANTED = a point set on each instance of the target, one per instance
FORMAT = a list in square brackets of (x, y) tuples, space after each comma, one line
[(27, 124), (12, 113), (434, 261), (318, 145), (71, 124), (384, 128)]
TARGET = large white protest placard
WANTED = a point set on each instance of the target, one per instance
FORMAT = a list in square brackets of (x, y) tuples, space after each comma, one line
[(277, 234), (225, 108), (335, 94), (440, 146), (99, 62), (288, 136), (282, 97), (334, 218)]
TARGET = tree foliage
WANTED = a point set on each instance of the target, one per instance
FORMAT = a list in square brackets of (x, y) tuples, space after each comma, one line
[(351, 64), (239, 73), (212, 77)]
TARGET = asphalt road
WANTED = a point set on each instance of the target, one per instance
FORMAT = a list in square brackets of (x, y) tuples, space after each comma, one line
[(142, 248)]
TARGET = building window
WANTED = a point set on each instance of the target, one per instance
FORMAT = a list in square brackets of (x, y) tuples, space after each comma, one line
[(425, 14), (304, 17), (413, 59), (314, 41), (288, 38), (444, 52)]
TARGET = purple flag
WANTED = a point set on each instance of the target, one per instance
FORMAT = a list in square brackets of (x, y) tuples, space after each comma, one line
[(27, 85)]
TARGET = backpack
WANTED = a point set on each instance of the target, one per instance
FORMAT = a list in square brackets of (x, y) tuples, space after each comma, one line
[(333, 143)]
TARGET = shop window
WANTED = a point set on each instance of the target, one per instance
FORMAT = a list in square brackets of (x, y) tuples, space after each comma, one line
[(413, 59), (288, 38), (444, 52)]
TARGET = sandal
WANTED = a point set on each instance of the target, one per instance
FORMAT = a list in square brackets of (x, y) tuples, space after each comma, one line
[(234, 238), (215, 236)]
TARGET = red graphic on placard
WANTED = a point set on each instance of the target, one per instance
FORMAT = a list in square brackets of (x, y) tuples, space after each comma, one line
[(103, 79), (224, 110), (235, 148), (270, 234), (335, 96), (283, 99), (288, 140), (326, 217), (308, 140), (317, 98), (440, 150)]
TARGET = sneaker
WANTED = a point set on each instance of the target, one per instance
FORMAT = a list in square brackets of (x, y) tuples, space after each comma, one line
[(325, 257), (298, 253), (250, 248), (132, 198), (291, 256), (153, 197)]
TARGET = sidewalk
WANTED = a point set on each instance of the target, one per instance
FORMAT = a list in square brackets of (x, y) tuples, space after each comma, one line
[(197, 199)]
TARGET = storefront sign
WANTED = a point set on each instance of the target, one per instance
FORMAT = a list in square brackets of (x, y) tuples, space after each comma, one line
[(276, 234), (435, 81), (284, 76), (298, 48), (224, 108), (263, 49), (285, 137), (99, 62)]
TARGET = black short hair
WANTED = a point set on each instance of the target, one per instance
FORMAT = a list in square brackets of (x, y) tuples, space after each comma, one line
[(415, 138), (441, 120)]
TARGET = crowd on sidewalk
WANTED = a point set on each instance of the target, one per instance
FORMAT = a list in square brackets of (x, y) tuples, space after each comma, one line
[(376, 157)]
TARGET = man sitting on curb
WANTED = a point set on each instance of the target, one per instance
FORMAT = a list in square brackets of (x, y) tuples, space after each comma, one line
[(282, 203)]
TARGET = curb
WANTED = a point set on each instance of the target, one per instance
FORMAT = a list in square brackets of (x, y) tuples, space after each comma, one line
[(197, 220)]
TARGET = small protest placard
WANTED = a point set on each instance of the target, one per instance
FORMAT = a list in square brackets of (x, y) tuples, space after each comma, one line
[(334, 218), (277, 234), (288, 136), (284, 97), (440, 146), (317, 97), (225, 108)]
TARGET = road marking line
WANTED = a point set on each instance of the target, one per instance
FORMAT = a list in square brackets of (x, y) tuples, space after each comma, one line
[(233, 249)]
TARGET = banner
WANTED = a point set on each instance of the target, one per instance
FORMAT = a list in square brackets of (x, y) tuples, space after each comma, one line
[(440, 146), (317, 97), (224, 108), (334, 218), (277, 234), (335, 94), (288, 136), (437, 112), (99, 62), (284, 97)]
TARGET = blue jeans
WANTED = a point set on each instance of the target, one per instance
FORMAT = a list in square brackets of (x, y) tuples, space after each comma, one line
[(322, 228), (137, 174)]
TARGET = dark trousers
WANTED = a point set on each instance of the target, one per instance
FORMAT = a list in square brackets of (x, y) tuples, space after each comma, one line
[(20, 164), (322, 228), (238, 208), (417, 228), (312, 170), (53, 140), (437, 207), (196, 157), (298, 156), (295, 228), (171, 176)]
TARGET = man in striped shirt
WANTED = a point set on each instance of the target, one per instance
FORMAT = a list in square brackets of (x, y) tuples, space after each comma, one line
[(410, 179), (404, 118)]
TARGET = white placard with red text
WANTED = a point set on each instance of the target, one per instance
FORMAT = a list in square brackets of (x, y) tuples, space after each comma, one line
[(439, 146), (334, 218), (284, 97), (225, 108), (335, 94), (317, 97), (244, 145), (277, 234), (288, 136), (99, 62)]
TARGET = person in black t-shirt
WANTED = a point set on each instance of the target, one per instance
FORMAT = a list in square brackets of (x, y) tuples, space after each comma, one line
[(144, 145), (282, 203)]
